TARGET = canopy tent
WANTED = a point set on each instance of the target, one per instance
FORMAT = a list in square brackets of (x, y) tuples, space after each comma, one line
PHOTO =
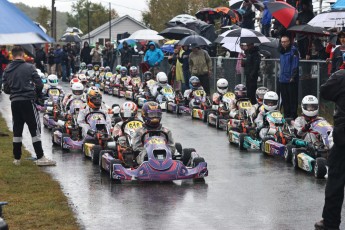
[(17, 28), (339, 5)]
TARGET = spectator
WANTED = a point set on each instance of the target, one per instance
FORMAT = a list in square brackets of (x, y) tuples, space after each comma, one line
[(51, 62), (41, 59), (64, 63), (106, 52), (85, 53), (96, 55), (153, 57), (175, 77), (330, 47), (337, 59), (5, 53), (3, 60), (239, 66), (200, 65), (266, 21), (184, 59), (23, 84), (126, 55), (289, 77), (251, 70), (278, 30), (248, 18), (318, 51), (71, 59), (58, 56)]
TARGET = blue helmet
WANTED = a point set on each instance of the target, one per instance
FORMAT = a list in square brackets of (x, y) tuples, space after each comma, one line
[(123, 71), (194, 83)]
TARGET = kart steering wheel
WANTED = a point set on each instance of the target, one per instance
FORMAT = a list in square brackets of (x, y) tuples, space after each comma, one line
[(87, 116), (125, 123), (154, 133)]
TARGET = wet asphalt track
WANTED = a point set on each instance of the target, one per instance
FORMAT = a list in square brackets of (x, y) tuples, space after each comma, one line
[(244, 190)]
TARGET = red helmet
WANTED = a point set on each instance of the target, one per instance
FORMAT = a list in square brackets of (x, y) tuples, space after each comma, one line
[(128, 110)]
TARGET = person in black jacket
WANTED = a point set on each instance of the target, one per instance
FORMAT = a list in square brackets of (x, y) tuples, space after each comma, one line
[(85, 54), (334, 90), (251, 70), (51, 61), (23, 84), (3, 60), (40, 59), (126, 55), (337, 59)]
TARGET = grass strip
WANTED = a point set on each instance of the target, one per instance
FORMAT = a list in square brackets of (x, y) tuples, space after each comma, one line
[(35, 199)]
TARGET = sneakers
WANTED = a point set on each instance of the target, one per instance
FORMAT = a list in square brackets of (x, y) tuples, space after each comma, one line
[(16, 162), (43, 161), (320, 226)]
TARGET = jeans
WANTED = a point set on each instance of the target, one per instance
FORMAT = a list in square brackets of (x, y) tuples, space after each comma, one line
[(266, 30), (64, 72)]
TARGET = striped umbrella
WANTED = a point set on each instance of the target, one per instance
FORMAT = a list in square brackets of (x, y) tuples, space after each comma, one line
[(283, 12), (242, 35)]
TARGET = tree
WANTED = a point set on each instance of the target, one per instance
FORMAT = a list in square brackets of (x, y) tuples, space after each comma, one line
[(97, 12), (44, 17)]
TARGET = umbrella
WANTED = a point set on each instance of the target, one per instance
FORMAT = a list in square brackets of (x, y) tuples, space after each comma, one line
[(234, 47), (242, 36), (73, 30), (329, 19), (169, 46), (130, 42), (283, 12), (146, 34), (17, 28), (271, 47), (309, 30), (222, 9), (200, 14), (339, 5), (183, 18), (70, 37), (177, 32), (235, 4), (201, 41)]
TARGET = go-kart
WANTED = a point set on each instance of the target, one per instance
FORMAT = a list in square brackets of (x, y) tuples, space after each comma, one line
[(199, 105), (243, 121), (160, 164), (310, 153), (165, 96), (52, 108), (219, 116), (178, 106), (133, 90), (120, 89), (98, 136), (144, 94), (105, 85), (67, 135)]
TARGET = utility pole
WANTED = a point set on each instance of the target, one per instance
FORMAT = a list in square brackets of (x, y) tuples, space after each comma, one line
[(52, 22), (88, 22), (109, 22)]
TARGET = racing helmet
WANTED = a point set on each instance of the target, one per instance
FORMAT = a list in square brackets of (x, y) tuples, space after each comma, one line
[(194, 83), (222, 86), (96, 67), (83, 65), (94, 98), (260, 93), (118, 68), (74, 80), (310, 106), (162, 79), (128, 110), (270, 101), (89, 66), (107, 69), (147, 76), (82, 78), (123, 71), (77, 90), (53, 80), (101, 69), (151, 113), (133, 71), (240, 91)]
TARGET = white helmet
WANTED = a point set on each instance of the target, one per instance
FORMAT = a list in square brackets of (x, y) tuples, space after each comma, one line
[(260, 93), (270, 101), (82, 78), (53, 80), (73, 81), (162, 78), (222, 86), (310, 106), (77, 90)]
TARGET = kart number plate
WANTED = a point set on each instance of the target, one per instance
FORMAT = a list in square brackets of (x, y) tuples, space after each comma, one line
[(136, 81), (167, 90), (229, 95), (245, 105), (198, 93), (124, 79), (134, 125), (108, 74), (323, 124), (54, 92), (156, 141), (276, 115)]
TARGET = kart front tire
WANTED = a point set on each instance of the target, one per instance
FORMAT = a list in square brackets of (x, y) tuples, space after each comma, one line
[(320, 169), (95, 154), (241, 141), (197, 161), (288, 153), (178, 147), (186, 155), (62, 137), (55, 129), (295, 160)]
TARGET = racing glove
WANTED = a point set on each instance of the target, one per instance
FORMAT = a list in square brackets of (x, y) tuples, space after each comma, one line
[(306, 127)]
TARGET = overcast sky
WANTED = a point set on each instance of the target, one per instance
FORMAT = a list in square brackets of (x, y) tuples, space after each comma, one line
[(133, 8)]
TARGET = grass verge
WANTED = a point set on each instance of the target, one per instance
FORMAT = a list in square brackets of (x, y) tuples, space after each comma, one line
[(35, 199)]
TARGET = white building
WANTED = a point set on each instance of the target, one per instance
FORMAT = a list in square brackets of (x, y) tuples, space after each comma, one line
[(118, 26)]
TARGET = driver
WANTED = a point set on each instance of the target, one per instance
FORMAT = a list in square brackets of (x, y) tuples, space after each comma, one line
[(310, 112), (222, 88), (240, 93), (53, 83), (194, 84), (77, 93), (259, 94), (152, 115), (128, 111), (123, 73), (94, 103)]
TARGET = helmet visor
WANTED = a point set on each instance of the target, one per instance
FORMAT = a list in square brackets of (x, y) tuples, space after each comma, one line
[(195, 84), (241, 93), (154, 113), (270, 102), (54, 81), (222, 87), (77, 92), (310, 107)]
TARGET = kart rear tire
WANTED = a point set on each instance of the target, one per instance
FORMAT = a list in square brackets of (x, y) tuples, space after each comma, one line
[(101, 153), (320, 169), (217, 123), (95, 154), (178, 147), (111, 163), (186, 155), (178, 110), (53, 130), (263, 144), (241, 141), (288, 153), (205, 115), (197, 160), (295, 160), (62, 136)]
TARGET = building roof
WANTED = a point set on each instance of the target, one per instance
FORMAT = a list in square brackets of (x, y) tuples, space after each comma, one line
[(105, 26)]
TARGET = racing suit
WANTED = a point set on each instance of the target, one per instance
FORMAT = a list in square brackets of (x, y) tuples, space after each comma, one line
[(188, 94), (262, 126), (46, 89), (299, 125), (156, 91), (82, 115), (139, 147)]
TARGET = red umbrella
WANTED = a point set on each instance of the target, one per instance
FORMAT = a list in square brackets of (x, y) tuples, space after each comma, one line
[(283, 12)]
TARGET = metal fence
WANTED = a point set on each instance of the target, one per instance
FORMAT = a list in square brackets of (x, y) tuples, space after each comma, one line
[(313, 75)]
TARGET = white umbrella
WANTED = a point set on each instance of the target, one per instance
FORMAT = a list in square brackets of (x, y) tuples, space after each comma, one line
[(329, 19), (234, 47), (146, 35), (242, 36), (184, 18), (73, 30)]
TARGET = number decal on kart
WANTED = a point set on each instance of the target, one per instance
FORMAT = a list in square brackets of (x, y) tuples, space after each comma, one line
[(245, 105), (167, 90), (124, 79), (156, 141), (199, 93), (134, 125), (229, 95), (150, 83), (276, 115), (136, 81), (267, 147), (108, 74), (54, 92), (323, 124)]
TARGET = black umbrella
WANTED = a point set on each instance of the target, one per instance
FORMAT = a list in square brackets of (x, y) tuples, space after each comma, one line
[(177, 32), (199, 40), (70, 37), (309, 30), (271, 48)]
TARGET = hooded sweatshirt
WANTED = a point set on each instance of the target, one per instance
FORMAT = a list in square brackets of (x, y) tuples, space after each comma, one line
[(22, 81), (153, 56)]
